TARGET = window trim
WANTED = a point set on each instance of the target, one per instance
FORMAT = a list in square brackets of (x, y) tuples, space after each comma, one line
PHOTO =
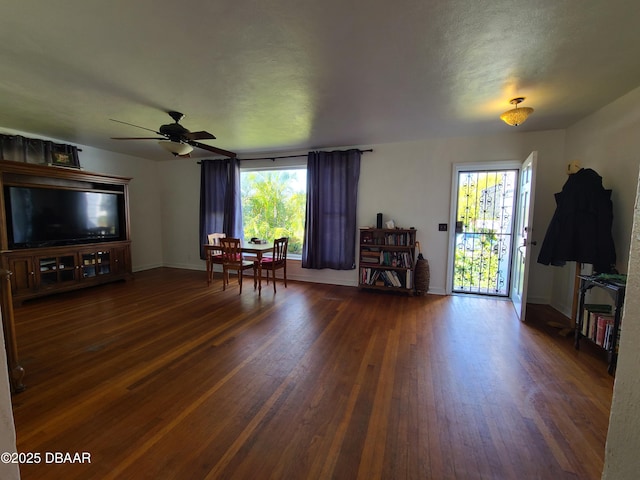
[(270, 165)]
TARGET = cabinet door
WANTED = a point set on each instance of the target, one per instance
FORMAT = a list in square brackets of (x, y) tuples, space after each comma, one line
[(120, 260), (54, 270), (94, 263), (23, 277)]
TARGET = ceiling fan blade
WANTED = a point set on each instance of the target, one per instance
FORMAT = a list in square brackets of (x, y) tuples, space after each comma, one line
[(202, 135), (138, 138), (137, 126), (217, 150)]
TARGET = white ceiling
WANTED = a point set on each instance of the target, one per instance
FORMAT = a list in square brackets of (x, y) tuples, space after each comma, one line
[(286, 75)]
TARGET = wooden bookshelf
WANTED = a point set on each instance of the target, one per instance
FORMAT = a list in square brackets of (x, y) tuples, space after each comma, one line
[(387, 259)]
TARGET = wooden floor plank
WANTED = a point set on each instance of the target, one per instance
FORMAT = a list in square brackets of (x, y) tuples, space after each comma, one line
[(165, 377)]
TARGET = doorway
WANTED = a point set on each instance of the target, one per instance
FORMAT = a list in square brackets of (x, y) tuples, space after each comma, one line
[(484, 208)]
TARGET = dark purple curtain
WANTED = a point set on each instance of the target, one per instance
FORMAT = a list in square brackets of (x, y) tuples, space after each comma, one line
[(220, 202), (332, 195)]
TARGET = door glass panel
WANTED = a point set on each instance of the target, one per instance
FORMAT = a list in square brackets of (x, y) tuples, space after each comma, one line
[(88, 265), (67, 262), (104, 262)]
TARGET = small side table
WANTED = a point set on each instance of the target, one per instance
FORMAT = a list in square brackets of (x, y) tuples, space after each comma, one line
[(615, 286)]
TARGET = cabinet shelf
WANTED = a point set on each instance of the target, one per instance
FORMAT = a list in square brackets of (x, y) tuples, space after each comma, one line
[(38, 272)]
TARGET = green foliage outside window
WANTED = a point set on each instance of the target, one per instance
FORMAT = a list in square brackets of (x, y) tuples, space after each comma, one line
[(273, 205), (477, 264)]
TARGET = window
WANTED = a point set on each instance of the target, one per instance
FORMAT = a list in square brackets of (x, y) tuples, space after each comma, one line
[(273, 204)]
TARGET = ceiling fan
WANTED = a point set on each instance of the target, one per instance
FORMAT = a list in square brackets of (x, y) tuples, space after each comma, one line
[(177, 139)]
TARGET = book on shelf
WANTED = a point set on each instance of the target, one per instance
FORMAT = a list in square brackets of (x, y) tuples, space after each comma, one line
[(603, 321), (366, 237), (396, 259), (589, 323), (399, 238), (607, 337), (390, 278), (375, 259), (408, 259), (369, 276), (371, 256)]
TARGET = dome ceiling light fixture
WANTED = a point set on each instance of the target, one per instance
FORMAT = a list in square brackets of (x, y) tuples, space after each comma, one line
[(177, 148), (516, 116)]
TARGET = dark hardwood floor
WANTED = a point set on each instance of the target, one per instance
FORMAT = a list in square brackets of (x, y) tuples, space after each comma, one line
[(163, 377)]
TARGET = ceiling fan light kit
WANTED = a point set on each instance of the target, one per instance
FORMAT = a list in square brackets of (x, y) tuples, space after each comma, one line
[(177, 148), (516, 116)]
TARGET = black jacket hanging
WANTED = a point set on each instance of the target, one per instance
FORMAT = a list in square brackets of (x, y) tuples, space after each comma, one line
[(580, 229)]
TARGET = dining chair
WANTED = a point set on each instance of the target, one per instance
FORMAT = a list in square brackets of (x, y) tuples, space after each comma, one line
[(232, 260), (214, 254), (278, 260)]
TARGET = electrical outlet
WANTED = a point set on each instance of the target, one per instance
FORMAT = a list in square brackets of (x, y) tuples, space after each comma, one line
[(442, 227)]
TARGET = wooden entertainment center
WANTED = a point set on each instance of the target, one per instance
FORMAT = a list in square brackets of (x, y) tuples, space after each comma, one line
[(44, 269)]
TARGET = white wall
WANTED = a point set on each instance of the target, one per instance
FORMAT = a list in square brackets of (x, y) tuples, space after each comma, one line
[(409, 182), (608, 142), (180, 193)]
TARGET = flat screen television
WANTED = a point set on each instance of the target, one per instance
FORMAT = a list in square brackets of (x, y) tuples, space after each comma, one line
[(45, 216)]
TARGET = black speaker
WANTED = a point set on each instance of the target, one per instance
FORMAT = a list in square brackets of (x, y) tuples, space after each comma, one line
[(379, 221)]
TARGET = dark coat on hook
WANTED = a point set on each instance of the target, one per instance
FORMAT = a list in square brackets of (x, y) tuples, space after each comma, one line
[(580, 229)]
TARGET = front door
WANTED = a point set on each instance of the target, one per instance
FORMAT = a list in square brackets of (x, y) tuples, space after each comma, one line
[(483, 237), (523, 238)]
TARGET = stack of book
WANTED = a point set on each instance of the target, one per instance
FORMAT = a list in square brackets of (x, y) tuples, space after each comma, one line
[(396, 259), (597, 323), (389, 278), (370, 256), (398, 238), (603, 330)]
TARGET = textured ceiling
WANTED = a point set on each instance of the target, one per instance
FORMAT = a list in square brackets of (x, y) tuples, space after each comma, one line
[(289, 74)]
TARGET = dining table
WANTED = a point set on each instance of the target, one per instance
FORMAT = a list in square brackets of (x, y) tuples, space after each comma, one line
[(257, 249)]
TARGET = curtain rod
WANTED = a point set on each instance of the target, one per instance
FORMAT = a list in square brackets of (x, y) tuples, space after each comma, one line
[(273, 159)]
